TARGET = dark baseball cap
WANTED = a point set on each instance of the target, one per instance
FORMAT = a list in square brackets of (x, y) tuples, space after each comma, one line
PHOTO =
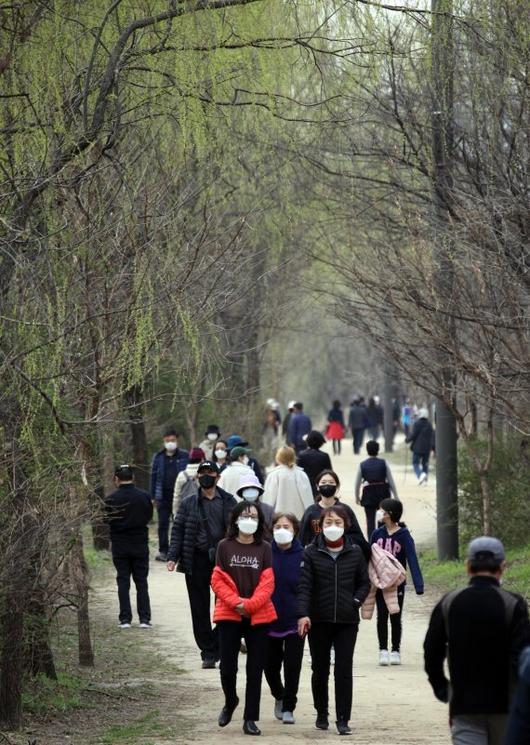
[(485, 546), (208, 465)]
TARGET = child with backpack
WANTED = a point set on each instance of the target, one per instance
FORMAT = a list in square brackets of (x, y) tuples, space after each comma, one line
[(394, 536)]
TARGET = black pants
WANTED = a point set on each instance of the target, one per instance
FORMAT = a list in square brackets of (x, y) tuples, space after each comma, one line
[(358, 437), (164, 513), (395, 620), (230, 634), (198, 586), (370, 520), (288, 650), (133, 561), (342, 636)]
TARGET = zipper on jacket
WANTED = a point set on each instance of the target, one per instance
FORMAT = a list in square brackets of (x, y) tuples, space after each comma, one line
[(336, 589)]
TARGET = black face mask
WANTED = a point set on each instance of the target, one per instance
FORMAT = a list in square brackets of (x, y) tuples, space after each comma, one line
[(327, 490), (207, 481)]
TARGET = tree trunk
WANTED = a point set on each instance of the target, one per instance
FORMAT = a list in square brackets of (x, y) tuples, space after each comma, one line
[(40, 652), (135, 404), (93, 479), (11, 664), (79, 577), (442, 156)]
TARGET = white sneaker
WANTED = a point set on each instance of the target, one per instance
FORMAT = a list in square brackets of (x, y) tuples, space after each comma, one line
[(124, 625), (278, 703), (422, 479), (332, 656), (384, 657), (395, 658), (287, 717), (146, 625)]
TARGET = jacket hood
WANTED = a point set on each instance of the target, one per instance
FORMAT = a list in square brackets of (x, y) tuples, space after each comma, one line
[(295, 548)]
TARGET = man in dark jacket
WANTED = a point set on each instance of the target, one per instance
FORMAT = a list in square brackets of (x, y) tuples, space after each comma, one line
[(299, 426), (166, 466), (358, 422), (519, 722), (312, 460), (481, 629), (422, 442), (199, 525), (129, 511)]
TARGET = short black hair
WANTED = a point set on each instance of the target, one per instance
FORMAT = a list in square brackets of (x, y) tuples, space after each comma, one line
[(124, 472), (336, 404), (171, 432), (339, 510), (327, 472), (315, 439), (298, 405), (372, 447), (484, 562), (233, 530)]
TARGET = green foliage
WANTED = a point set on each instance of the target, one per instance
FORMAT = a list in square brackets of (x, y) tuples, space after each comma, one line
[(44, 696), (509, 481), (145, 726), (448, 575)]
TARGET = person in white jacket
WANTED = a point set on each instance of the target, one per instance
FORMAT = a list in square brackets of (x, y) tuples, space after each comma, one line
[(287, 487), (196, 457), (236, 469)]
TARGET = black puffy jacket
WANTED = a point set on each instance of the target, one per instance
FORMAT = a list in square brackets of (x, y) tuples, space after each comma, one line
[(332, 589), (186, 526)]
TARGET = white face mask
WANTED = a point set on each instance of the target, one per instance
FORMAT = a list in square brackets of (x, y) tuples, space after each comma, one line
[(379, 516), (212, 436), (170, 446), (333, 532), (283, 536), (247, 525), (250, 494), (245, 460), (220, 454)]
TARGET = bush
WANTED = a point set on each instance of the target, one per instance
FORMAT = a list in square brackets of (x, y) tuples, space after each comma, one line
[(509, 480)]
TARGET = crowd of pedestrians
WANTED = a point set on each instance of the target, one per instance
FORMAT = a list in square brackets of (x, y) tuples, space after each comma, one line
[(287, 560)]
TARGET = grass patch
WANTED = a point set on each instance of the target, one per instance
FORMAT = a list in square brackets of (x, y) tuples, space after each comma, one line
[(447, 575), (145, 726), (44, 696)]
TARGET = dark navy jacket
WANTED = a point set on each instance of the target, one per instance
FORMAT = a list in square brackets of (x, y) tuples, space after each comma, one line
[(286, 566), (299, 425), (401, 545), (157, 472)]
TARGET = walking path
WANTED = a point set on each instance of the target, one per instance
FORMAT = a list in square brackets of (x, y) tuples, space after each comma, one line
[(392, 705)]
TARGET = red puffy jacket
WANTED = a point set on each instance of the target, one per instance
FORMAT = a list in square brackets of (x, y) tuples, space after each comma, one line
[(259, 606)]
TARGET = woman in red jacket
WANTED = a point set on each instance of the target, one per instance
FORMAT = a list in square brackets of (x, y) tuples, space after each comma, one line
[(243, 582)]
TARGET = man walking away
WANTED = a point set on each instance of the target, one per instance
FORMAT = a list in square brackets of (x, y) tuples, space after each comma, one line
[(313, 460), (166, 466), (421, 443), (200, 524), (481, 629), (358, 421), (129, 511), (299, 426)]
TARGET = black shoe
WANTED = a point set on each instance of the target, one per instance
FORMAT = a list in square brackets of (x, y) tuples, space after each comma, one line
[(208, 663), (251, 728), (225, 717), (322, 722), (343, 728)]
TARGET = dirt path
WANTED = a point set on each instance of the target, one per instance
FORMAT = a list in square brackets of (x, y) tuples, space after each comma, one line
[(391, 704)]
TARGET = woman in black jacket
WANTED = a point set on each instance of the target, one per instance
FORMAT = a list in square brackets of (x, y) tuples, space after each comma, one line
[(333, 585)]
